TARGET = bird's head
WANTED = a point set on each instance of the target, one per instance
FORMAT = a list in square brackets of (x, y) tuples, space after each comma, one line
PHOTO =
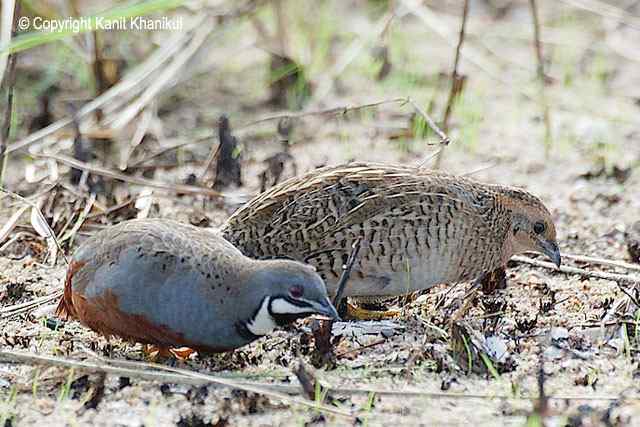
[(532, 228), (284, 291)]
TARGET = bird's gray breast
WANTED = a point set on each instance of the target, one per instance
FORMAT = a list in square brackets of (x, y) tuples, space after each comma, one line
[(169, 289)]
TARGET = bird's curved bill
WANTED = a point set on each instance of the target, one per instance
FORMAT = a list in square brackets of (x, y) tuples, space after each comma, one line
[(326, 309), (551, 250)]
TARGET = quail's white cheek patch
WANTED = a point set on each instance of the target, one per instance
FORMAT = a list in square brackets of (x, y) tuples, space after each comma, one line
[(263, 322)]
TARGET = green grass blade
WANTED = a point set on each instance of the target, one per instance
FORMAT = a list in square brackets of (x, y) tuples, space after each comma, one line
[(492, 369)]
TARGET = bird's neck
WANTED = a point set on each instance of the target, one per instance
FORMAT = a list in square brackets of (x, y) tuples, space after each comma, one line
[(508, 249), (262, 322)]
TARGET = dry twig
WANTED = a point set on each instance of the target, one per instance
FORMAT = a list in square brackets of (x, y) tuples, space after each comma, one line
[(154, 372), (16, 309), (165, 150), (11, 223), (182, 377), (444, 139), (70, 234), (346, 272), (254, 389), (328, 111), (40, 225), (97, 170), (546, 115), (620, 278), (456, 79), (602, 261), (10, 11), (361, 348), (146, 117)]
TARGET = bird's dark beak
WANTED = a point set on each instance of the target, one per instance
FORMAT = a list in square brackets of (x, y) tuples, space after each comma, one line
[(325, 308), (551, 250)]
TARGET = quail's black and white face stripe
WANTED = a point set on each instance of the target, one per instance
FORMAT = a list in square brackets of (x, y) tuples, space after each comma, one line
[(266, 317), (262, 322)]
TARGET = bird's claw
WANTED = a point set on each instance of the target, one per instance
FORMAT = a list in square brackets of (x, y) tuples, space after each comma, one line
[(359, 313), (155, 352)]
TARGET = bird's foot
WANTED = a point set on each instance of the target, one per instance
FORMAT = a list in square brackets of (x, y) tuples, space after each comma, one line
[(359, 313), (156, 352)]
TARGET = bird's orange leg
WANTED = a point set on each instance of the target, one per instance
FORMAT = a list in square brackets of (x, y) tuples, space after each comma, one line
[(359, 313), (155, 352), (182, 353)]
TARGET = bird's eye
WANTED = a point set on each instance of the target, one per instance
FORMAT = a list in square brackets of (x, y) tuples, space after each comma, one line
[(539, 227), (296, 291)]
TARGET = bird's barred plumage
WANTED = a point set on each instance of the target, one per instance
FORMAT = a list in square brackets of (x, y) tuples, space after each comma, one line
[(418, 227)]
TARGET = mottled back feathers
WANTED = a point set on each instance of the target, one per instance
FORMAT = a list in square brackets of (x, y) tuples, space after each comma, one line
[(418, 227)]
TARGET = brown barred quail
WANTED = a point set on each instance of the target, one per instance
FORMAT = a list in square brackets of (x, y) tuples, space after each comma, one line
[(418, 227)]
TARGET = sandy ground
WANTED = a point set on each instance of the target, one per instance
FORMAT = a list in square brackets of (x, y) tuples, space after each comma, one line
[(418, 376)]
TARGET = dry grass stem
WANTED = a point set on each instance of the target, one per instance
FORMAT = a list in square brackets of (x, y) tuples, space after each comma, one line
[(620, 278), (455, 79), (98, 170), (542, 78)]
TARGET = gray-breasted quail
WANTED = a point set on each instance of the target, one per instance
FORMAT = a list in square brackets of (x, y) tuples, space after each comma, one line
[(170, 284)]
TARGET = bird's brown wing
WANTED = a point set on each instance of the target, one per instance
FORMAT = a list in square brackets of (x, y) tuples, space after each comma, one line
[(401, 213), (429, 228)]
